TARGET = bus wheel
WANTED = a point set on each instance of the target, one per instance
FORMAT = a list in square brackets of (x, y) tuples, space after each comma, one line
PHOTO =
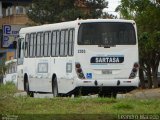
[(55, 88), (29, 93)]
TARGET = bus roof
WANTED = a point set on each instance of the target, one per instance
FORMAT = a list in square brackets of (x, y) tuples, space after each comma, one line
[(69, 24), (107, 20)]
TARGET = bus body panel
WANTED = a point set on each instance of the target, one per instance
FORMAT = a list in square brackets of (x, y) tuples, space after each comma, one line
[(119, 70), (108, 83), (42, 82)]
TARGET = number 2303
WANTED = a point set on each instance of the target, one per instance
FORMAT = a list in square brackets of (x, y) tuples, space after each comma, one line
[(81, 51)]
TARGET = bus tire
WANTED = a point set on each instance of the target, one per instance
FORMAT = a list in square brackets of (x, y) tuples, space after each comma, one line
[(55, 87), (26, 88)]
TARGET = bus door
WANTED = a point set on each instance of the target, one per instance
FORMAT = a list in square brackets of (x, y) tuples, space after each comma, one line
[(20, 59)]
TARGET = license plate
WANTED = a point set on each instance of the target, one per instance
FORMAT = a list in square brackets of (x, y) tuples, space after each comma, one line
[(106, 71)]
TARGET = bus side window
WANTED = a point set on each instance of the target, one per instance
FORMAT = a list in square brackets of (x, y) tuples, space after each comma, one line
[(62, 40), (42, 42), (31, 45), (66, 43), (26, 45), (47, 43), (19, 48), (57, 43), (34, 44), (38, 50), (54, 35), (71, 42)]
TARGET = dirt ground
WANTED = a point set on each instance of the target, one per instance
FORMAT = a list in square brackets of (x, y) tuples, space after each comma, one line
[(142, 94)]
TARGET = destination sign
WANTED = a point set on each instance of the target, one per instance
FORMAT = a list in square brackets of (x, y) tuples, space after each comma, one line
[(107, 59)]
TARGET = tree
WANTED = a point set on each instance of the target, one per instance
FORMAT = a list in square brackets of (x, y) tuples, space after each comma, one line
[(149, 45), (147, 16), (108, 16), (52, 11), (96, 7), (126, 9)]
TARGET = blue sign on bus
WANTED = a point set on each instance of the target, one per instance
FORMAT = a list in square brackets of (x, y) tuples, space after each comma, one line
[(89, 75)]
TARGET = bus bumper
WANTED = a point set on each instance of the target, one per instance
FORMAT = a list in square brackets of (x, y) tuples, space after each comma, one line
[(108, 83), (105, 86)]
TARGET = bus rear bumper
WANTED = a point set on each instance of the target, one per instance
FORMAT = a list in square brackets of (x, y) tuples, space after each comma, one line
[(109, 83), (105, 86)]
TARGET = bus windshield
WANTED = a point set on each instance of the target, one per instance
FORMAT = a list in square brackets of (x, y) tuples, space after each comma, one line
[(106, 33)]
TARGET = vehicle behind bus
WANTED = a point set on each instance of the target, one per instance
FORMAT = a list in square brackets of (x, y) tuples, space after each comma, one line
[(11, 73)]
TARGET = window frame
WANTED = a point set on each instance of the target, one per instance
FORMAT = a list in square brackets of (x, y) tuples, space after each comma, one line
[(73, 40), (42, 45), (41, 34), (34, 40), (66, 43), (47, 49), (26, 41), (55, 43), (64, 39)]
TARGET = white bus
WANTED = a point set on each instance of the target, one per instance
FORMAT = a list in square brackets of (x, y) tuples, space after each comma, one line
[(81, 56), (11, 73)]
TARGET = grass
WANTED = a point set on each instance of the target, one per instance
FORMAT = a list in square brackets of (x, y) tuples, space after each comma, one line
[(69, 108)]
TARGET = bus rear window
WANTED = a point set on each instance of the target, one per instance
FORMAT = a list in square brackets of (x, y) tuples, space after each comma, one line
[(106, 33)]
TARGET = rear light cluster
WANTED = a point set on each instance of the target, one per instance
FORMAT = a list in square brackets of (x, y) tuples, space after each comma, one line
[(79, 71), (134, 71)]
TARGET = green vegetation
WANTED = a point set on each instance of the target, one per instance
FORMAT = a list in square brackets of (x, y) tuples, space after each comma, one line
[(53, 11), (147, 16), (76, 108), (3, 67)]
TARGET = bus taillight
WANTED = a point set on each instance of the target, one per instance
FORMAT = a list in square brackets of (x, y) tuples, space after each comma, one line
[(79, 71), (136, 65), (78, 65), (134, 71)]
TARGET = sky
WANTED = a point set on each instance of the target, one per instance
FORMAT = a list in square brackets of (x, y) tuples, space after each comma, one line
[(112, 4)]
